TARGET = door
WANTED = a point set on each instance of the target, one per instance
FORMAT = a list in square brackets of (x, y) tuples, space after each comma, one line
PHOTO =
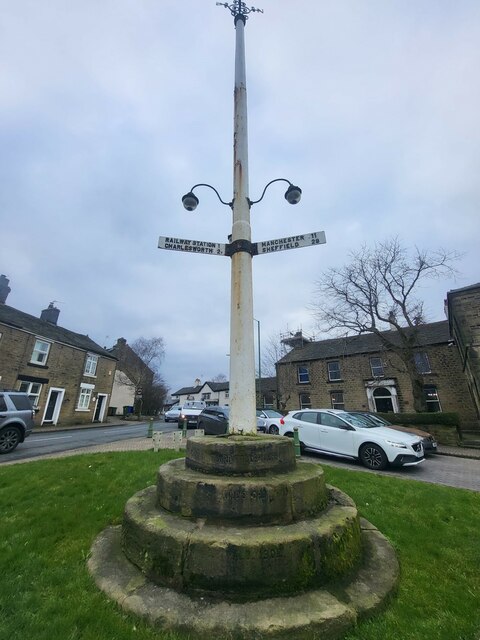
[(100, 408), (383, 400), (335, 435), (53, 406)]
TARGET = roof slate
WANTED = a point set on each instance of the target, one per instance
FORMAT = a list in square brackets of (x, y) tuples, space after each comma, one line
[(428, 334), (20, 320)]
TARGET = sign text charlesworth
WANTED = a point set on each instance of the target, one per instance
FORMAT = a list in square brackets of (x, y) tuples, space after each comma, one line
[(218, 249)]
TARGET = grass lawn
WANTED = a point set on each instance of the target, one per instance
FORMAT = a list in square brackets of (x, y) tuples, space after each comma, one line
[(51, 511)]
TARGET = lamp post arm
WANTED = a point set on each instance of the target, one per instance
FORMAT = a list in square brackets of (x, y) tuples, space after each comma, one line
[(250, 202), (204, 184)]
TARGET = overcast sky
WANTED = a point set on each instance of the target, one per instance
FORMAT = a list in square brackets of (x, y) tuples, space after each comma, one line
[(110, 111)]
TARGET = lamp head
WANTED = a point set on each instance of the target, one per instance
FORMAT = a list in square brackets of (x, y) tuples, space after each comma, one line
[(190, 201), (293, 194)]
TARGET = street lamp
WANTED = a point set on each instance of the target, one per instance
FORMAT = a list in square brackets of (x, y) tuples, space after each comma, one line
[(242, 356)]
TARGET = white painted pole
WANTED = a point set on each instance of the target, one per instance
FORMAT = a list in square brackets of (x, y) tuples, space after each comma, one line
[(242, 349)]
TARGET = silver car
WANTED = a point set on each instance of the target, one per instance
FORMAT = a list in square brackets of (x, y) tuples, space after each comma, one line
[(172, 414), (16, 419)]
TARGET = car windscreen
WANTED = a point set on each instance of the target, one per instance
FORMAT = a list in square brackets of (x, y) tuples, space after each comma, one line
[(270, 413), (359, 421)]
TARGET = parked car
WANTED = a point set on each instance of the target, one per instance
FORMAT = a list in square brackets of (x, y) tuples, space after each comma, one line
[(190, 412), (214, 420), (16, 419), (428, 441), (172, 414), (339, 433), (272, 420)]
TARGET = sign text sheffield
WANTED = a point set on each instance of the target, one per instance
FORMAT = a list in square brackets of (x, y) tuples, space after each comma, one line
[(267, 246)]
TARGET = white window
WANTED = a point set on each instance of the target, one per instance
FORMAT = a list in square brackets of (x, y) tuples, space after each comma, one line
[(40, 352), (85, 397), (33, 389), (303, 375), (334, 370), (91, 365), (376, 365)]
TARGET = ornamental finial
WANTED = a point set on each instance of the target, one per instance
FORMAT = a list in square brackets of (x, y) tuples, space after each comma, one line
[(239, 10)]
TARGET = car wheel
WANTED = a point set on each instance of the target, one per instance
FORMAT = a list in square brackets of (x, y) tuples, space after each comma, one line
[(274, 430), (373, 457), (9, 438)]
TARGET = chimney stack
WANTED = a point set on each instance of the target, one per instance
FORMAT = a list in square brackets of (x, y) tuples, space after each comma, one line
[(4, 288), (50, 315)]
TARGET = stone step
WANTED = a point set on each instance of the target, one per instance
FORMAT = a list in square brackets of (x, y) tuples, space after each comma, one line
[(238, 455), (239, 563), (280, 498)]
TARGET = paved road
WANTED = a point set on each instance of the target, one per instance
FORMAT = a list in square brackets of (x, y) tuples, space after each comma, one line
[(462, 473), (40, 444), (438, 469)]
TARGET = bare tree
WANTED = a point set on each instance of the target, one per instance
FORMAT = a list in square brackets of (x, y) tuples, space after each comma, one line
[(377, 291), (139, 367), (220, 377), (273, 351)]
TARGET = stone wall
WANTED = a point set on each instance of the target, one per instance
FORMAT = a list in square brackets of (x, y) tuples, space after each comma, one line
[(356, 375)]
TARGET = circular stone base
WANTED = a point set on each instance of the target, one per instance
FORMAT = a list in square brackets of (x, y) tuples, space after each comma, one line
[(316, 613), (236, 455)]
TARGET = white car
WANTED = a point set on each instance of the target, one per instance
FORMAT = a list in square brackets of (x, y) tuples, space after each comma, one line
[(172, 414), (339, 433), (271, 420)]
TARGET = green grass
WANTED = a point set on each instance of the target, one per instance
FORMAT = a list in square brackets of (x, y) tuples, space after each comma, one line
[(52, 510)]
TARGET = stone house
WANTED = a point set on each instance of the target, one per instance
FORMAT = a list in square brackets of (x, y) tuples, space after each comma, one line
[(217, 393), (356, 373), (67, 375)]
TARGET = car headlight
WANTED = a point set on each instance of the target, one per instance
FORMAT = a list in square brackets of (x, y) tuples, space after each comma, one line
[(398, 445)]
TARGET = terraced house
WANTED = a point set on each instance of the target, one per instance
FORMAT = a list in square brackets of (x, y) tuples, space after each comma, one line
[(67, 375), (358, 373)]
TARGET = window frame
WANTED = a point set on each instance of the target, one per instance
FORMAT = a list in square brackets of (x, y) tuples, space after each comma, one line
[(421, 358), (84, 397), (305, 373), (329, 372), (435, 401), (373, 367), (40, 363), (302, 404), (337, 405), (91, 357), (34, 397)]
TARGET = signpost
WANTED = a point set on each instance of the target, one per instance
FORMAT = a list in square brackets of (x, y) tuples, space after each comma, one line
[(256, 248)]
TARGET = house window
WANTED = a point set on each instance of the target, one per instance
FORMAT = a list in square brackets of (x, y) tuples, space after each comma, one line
[(376, 365), (226, 394), (85, 397), (33, 389), (305, 402), (303, 375), (334, 370), (336, 400), (40, 352), (422, 363), (431, 398), (205, 396), (91, 365)]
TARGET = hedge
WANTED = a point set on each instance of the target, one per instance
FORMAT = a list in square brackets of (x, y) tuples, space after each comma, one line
[(440, 418)]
